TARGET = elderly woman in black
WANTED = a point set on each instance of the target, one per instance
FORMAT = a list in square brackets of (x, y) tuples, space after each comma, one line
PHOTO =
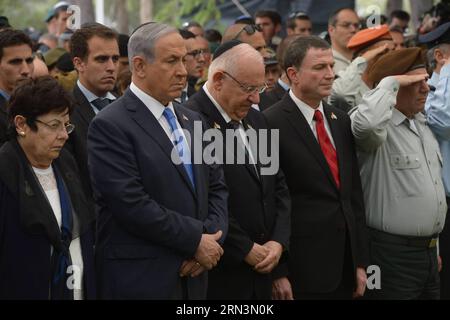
[(46, 224)]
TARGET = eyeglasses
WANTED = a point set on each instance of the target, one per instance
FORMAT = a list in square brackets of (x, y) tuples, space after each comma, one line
[(347, 25), (58, 126), (249, 29), (196, 53), (247, 89)]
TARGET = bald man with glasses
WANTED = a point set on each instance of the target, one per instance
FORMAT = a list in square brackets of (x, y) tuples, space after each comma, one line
[(259, 205)]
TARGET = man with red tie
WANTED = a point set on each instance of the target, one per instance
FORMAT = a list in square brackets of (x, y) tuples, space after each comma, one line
[(328, 247)]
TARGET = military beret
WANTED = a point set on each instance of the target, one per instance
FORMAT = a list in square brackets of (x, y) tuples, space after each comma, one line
[(439, 35), (396, 63), (52, 56), (368, 37)]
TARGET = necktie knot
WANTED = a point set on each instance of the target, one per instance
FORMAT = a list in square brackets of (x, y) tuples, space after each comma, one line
[(234, 124), (169, 115), (318, 116), (101, 103)]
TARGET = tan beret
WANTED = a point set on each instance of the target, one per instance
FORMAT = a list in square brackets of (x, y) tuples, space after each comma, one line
[(396, 63)]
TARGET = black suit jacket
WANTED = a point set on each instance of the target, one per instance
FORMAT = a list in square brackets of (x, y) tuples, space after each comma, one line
[(3, 120), (269, 98), (150, 217), (77, 143), (259, 211), (322, 214)]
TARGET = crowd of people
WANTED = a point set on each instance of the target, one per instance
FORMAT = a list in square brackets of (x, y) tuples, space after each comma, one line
[(102, 195)]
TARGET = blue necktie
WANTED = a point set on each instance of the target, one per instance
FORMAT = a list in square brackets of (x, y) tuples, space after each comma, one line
[(180, 144), (100, 103)]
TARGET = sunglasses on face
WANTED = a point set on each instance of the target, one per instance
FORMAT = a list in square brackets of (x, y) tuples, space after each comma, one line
[(249, 29)]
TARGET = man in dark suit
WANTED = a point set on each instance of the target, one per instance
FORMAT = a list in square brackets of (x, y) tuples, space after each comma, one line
[(161, 216), (259, 204), (16, 63), (328, 248), (95, 55)]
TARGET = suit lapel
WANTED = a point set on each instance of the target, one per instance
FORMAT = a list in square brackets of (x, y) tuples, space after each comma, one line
[(151, 126), (301, 126), (85, 109), (216, 120)]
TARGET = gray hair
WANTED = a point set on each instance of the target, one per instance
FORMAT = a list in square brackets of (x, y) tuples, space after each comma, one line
[(142, 41), (432, 63), (229, 60)]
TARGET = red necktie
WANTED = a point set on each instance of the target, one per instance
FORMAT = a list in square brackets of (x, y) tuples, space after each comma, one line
[(327, 147)]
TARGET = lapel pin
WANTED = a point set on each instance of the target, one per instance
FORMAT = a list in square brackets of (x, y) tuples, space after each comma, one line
[(333, 116), (216, 126), (185, 118)]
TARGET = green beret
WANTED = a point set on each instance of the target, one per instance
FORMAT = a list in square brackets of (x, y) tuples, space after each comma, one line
[(396, 62), (52, 56)]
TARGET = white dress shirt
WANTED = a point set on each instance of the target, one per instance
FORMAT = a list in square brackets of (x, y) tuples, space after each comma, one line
[(308, 113), (157, 109)]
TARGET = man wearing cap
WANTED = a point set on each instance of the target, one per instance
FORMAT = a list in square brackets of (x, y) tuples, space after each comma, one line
[(95, 55), (57, 18), (259, 204), (273, 72), (367, 46), (400, 165), (437, 109), (299, 23), (16, 64)]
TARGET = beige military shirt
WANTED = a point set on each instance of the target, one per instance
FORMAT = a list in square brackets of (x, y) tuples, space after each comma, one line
[(340, 62), (349, 84), (400, 165)]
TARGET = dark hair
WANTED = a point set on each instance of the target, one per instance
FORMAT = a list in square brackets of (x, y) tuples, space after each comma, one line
[(185, 34), (35, 97), (271, 14), (212, 35), (297, 50), (400, 14), (282, 47), (332, 20), (80, 38), (291, 22), (11, 37)]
